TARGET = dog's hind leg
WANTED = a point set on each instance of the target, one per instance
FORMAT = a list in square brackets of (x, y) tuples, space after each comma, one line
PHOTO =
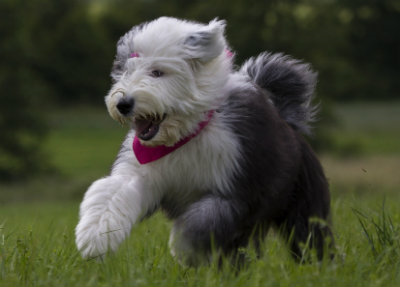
[(210, 224), (307, 222), (305, 234)]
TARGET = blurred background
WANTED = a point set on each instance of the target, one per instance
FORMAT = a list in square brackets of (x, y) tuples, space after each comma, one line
[(56, 136)]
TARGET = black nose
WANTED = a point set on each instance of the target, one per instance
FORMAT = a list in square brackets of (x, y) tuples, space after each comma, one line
[(125, 106)]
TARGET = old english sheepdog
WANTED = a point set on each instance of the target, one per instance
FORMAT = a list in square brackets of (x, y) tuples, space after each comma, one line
[(219, 150)]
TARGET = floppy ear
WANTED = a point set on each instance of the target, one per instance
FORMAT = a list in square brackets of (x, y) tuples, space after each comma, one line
[(207, 43)]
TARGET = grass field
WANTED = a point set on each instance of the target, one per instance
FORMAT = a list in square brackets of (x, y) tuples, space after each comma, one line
[(37, 218)]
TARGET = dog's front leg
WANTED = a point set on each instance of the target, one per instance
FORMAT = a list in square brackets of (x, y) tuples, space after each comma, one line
[(109, 209)]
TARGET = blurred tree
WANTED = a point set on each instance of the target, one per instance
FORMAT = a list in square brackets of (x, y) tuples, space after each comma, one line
[(72, 54), (21, 125), (375, 41), (60, 52), (349, 42)]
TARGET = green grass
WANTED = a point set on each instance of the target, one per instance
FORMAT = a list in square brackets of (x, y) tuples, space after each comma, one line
[(83, 142), (369, 128), (81, 147), (37, 249), (37, 218)]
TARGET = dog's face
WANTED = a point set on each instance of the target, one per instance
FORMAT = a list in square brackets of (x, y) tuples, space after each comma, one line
[(167, 74)]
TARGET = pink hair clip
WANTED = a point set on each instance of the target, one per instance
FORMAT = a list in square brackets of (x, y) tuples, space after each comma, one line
[(229, 53), (134, 55)]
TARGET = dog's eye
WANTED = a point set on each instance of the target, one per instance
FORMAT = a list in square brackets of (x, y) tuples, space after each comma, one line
[(157, 73)]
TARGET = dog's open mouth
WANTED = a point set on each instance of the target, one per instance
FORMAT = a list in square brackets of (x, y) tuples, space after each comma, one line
[(148, 126)]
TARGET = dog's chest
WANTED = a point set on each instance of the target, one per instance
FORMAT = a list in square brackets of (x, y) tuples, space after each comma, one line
[(204, 165)]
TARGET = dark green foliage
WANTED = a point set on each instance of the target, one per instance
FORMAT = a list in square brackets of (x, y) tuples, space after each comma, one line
[(21, 127), (69, 45), (60, 53), (352, 44)]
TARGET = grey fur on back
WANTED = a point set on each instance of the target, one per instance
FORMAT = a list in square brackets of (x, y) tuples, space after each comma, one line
[(291, 84)]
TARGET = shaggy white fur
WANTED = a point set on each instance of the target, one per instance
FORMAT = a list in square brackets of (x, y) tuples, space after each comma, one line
[(247, 169), (194, 82)]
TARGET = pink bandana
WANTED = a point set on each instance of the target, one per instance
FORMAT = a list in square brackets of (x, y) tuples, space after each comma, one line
[(146, 154)]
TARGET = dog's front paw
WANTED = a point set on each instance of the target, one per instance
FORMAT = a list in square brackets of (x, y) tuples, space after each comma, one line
[(89, 241), (104, 219), (96, 236)]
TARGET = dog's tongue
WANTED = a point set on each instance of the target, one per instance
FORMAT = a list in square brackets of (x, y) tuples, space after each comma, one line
[(146, 129)]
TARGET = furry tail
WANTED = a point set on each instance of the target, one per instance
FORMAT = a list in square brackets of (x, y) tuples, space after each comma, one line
[(291, 84)]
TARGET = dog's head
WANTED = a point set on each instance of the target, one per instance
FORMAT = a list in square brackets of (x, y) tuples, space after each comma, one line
[(167, 75)]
